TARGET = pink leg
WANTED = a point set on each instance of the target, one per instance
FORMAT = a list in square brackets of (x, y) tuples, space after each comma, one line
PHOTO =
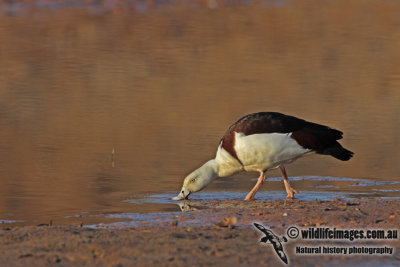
[(252, 193), (289, 190)]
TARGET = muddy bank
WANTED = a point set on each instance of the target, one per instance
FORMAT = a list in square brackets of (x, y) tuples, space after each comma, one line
[(192, 238)]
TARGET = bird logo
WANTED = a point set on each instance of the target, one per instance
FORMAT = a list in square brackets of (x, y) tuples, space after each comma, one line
[(275, 240)]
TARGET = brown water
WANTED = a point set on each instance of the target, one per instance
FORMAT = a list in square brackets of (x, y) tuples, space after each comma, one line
[(160, 87)]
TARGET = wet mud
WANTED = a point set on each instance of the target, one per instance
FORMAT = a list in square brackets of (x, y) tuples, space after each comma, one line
[(221, 234)]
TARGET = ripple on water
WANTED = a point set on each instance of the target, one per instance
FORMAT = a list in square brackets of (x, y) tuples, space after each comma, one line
[(333, 188), (346, 190), (9, 221)]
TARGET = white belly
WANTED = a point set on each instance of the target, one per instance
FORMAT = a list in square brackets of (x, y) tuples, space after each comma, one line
[(260, 152)]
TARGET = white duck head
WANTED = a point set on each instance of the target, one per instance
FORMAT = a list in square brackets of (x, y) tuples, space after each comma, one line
[(198, 179)]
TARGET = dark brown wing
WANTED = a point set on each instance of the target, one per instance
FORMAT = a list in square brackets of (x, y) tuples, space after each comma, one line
[(309, 135)]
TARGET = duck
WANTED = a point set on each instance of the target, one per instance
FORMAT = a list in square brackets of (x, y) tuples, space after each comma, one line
[(264, 141)]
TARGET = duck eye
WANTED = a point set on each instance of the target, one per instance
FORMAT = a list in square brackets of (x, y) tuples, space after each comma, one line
[(193, 180), (183, 192)]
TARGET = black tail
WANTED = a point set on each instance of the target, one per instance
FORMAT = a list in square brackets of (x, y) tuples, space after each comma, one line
[(337, 151)]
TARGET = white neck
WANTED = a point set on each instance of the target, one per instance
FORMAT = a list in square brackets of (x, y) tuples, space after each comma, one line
[(204, 175), (209, 170)]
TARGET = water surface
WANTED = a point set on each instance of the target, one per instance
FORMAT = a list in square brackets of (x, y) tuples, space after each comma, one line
[(159, 86)]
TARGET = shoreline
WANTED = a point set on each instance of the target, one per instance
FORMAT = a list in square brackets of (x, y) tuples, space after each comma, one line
[(209, 236)]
